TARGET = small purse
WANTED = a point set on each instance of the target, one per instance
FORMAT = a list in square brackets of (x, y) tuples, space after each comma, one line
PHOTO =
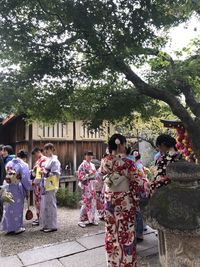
[(29, 213)]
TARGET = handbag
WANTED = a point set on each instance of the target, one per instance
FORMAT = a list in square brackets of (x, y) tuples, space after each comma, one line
[(51, 183), (29, 213)]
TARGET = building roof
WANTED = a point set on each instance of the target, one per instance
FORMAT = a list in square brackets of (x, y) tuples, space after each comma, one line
[(9, 119), (172, 124)]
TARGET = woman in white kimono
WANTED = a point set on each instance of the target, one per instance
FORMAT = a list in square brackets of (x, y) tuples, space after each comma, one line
[(49, 187)]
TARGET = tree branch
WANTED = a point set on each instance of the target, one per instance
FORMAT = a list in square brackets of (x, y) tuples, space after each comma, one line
[(53, 14), (153, 92), (190, 99)]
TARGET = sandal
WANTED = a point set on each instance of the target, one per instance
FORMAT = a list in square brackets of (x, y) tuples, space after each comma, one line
[(82, 224), (49, 230)]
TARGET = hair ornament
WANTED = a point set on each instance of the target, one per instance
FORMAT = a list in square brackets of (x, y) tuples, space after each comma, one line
[(135, 153), (117, 141)]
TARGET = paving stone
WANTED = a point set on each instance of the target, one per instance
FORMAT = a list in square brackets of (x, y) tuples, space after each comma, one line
[(42, 254), (53, 263), (91, 258), (148, 252), (93, 241), (12, 261), (150, 241), (149, 230), (154, 262)]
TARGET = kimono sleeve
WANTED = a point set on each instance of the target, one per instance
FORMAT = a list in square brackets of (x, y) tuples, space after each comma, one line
[(82, 173), (55, 167), (106, 165), (137, 181), (25, 177)]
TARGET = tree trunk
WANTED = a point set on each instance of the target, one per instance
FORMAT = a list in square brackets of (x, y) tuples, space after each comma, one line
[(194, 134)]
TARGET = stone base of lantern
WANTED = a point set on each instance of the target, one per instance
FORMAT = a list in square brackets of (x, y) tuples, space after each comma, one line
[(179, 250), (175, 211)]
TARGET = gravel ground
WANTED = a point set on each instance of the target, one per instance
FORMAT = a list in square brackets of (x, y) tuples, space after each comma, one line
[(32, 237)]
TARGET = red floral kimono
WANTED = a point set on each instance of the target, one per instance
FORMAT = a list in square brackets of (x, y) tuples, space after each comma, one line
[(99, 186), (36, 184), (86, 177), (120, 211)]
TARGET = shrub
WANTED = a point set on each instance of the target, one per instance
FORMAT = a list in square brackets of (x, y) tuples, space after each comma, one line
[(67, 199)]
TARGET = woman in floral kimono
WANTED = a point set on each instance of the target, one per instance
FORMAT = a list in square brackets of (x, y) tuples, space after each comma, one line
[(100, 194), (19, 183), (86, 177), (122, 188), (49, 187), (99, 188), (37, 175), (168, 154)]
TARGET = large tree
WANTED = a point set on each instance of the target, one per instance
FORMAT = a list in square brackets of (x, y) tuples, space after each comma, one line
[(79, 58)]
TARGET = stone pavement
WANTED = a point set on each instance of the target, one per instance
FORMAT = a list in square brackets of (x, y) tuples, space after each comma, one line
[(86, 251)]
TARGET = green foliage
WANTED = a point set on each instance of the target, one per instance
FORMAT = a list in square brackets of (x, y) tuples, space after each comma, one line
[(67, 199), (143, 128), (68, 55)]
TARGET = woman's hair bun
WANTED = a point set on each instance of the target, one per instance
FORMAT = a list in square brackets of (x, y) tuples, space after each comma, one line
[(22, 154), (115, 140)]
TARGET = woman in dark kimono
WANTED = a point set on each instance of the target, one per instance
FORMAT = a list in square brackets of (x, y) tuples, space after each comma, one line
[(168, 154)]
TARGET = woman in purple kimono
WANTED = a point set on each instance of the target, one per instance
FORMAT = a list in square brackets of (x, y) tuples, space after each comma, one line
[(49, 187), (19, 183)]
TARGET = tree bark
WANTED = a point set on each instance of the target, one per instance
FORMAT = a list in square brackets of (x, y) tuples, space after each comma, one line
[(190, 99), (192, 126)]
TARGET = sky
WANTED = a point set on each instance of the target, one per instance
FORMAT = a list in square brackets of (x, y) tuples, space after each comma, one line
[(180, 37), (183, 34)]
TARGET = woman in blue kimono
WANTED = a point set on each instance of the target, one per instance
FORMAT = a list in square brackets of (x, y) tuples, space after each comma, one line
[(140, 227), (19, 184)]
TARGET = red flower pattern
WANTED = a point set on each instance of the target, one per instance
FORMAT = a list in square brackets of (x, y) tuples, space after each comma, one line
[(120, 212)]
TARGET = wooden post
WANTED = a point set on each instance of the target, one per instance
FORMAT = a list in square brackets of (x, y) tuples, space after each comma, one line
[(30, 148), (75, 148)]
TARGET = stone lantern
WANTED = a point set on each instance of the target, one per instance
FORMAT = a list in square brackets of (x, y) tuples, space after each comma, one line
[(175, 211)]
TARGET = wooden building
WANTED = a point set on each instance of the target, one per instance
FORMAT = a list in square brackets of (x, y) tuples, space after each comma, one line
[(71, 139)]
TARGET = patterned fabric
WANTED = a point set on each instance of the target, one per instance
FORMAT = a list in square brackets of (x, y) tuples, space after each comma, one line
[(120, 211), (48, 217), (120, 241), (100, 194), (36, 186), (37, 199), (86, 177), (13, 213), (48, 214), (139, 219), (40, 163), (161, 164)]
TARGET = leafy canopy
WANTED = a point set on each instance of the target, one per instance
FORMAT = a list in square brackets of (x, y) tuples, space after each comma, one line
[(73, 57)]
